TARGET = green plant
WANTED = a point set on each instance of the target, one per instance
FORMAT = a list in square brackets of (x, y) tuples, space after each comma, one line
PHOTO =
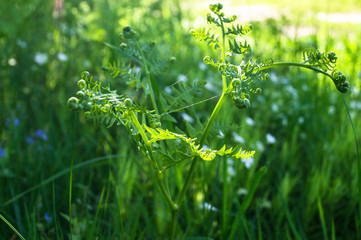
[(161, 147)]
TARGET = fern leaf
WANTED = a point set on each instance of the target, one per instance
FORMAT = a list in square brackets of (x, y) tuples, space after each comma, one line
[(202, 35)]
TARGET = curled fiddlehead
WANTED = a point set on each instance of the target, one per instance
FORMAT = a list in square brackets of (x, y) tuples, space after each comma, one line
[(327, 62)]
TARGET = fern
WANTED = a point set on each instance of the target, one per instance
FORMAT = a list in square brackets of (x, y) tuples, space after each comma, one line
[(206, 36), (239, 30), (205, 154), (164, 148)]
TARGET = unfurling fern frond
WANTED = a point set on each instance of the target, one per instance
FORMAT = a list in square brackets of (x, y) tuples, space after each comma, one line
[(323, 61), (205, 35), (104, 105), (327, 62)]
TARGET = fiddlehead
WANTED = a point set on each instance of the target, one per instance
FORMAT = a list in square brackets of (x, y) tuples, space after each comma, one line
[(326, 62)]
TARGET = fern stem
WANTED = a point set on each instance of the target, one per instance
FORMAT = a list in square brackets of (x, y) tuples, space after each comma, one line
[(150, 85), (295, 64), (207, 129), (224, 82), (154, 163), (195, 160), (357, 157)]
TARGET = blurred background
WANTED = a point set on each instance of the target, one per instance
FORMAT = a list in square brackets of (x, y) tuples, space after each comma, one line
[(298, 126)]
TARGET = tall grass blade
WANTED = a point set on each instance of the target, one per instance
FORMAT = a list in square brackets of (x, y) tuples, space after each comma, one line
[(12, 227), (257, 178), (322, 218)]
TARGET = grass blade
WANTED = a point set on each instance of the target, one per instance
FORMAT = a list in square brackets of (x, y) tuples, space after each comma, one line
[(12, 227)]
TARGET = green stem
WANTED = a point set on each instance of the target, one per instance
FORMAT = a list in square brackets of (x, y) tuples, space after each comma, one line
[(154, 103), (282, 64), (224, 200), (224, 82), (206, 131), (153, 161), (150, 85)]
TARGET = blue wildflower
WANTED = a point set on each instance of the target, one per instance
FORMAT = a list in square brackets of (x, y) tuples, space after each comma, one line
[(41, 134), (30, 140), (47, 217), (16, 122), (2, 152)]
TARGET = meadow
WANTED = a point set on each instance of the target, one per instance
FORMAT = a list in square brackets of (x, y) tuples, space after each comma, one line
[(64, 177)]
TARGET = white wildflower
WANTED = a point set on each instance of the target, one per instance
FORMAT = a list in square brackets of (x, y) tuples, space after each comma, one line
[(182, 78), (202, 66), (12, 62), (238, 138), (270, 139), (248, 162), (41, 58), (21, 43), (250, 121), (62, 57), (187, 118)]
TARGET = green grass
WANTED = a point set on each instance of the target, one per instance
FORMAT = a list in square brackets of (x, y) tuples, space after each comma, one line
[(309, 190)]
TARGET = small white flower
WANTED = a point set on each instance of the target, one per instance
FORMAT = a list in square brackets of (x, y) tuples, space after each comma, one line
[(187, 118), (250, 121), (274, 107), (355, 91), (182, 78), (304, 87), (86, 63), (202, 66), (331, 110), (231, 171), (205, 147), (355, 105), (62, 57), (208, 206), (221, 134), (12, 62), (242, 191), (21, 43), (137, 69), (209, 86), (270, 139), (248, 162), (292, 90), (301, 120), (273, 77), (168, 90), (230, 161), (238, 138), (260, 146), (41, 58)]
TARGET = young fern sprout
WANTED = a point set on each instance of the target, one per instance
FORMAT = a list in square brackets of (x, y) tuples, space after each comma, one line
[(105, 106)]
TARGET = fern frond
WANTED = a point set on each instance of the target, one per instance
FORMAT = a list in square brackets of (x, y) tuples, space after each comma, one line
[(239, 29), (323, 61), (239, 48), (158, 134), (206, 36)]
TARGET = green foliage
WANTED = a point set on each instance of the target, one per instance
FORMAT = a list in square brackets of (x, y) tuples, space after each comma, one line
[(115, 195), (239, 81)]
